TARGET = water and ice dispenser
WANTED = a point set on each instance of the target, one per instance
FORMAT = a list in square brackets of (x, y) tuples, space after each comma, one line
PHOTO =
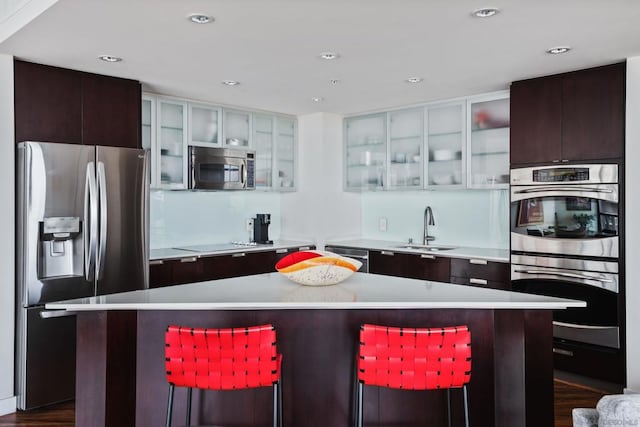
[(60, 247)]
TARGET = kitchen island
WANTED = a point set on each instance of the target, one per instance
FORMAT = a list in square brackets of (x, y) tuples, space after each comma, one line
[(120, 359)]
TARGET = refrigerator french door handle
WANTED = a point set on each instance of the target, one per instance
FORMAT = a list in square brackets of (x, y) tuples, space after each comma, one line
[(90, 223), (561, 274), (102, 194)]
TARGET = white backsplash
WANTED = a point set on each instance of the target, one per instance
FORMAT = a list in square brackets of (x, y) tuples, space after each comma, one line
[(476, 218), (180, 218)]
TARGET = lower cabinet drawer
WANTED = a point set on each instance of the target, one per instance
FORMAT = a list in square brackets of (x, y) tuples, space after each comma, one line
[(590, 361), (484, 283), (481, 269)]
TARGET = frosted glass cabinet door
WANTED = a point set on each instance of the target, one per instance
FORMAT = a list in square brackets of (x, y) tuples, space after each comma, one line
[(488, 127), (205, 125), (406, 139), (172, 141), (445, 143), (149, 133), (237, 128), (263, 128), (285, 153), (365, 151)]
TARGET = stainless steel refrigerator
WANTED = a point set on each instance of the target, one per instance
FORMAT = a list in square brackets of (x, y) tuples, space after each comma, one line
[(82, 230)]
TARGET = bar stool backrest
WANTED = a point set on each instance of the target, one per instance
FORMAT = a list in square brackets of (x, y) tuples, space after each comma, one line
[(414, 358), (222, 359)]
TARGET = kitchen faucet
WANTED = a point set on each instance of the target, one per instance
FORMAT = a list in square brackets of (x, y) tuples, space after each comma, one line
[(428, 220)]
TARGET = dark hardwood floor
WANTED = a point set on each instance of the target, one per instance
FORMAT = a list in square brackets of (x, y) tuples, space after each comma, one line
[(567, 396)]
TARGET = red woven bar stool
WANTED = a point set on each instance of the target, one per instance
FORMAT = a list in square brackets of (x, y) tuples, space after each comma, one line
[(223, 359), (414, 359)]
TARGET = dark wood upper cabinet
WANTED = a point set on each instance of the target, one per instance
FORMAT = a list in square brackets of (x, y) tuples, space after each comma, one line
[(593, 110), (48, 104), (572, 117), (536, 111), (60, 105), (111, 111)]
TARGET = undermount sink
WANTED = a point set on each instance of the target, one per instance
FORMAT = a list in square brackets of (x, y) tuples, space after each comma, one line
[(426, 248)]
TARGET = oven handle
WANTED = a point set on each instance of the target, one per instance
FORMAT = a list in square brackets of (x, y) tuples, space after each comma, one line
[(561, 274), (569, 189)]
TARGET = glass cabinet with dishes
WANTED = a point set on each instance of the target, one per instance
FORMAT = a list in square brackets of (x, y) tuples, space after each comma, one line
[(237, 129), (148, 131), (263, 144), (488, 141), (446, 145), (365, 151), (204, 125), (172, 143), (406, 141), (285, 153)]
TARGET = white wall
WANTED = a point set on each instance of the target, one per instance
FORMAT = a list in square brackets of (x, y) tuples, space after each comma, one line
[(7, 233), (632, 233), (320, 210)]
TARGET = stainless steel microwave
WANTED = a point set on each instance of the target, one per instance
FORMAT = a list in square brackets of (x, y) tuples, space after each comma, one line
[(221, 169)]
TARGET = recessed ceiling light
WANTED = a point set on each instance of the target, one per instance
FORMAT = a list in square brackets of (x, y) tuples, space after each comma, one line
[(329, 55), (558, 49), (317, 99), (230, 82), (334, 81), (414, 80), (199, 18), (110, 58), (485, 12)]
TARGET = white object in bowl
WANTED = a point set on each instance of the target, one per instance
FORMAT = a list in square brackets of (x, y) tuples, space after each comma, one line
[(440, 155), (443, 179)]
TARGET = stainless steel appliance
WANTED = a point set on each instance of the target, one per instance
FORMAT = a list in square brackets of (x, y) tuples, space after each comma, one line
[(565, 243), (221, 169), (261, 228), (81, 231), (570, 210), (361, 255)]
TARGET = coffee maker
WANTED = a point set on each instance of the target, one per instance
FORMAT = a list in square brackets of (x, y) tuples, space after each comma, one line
[(261, 228)]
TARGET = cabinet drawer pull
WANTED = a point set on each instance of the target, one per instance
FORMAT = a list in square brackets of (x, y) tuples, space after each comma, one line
[(388, 253), (563, 352), (238, 255), (304, 248), (190, 259), (427, 256), (282, 251), (477, 281), (555, 161), (478, 261), (156, 262), (565, 161)]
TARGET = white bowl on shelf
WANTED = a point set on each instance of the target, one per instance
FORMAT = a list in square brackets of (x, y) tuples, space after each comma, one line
[(443, 179), (442, 155)]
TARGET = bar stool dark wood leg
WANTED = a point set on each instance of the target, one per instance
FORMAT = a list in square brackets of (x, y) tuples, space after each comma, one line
[(189, 392), (170, 405)]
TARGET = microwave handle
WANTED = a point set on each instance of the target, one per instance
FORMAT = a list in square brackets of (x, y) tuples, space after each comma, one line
[(243, 174)]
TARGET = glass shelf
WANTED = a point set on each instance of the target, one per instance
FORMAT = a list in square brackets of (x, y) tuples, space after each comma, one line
[(497, 128), (402, 138), (377, 144), (172, 128), (440, 134)]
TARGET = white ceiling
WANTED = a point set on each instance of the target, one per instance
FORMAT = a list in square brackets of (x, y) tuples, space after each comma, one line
[(272, 47)]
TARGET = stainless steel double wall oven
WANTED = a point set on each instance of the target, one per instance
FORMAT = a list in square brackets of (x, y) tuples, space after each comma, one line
[(565, 242)]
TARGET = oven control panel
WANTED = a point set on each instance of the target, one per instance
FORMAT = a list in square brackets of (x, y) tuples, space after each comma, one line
[(561, 175)]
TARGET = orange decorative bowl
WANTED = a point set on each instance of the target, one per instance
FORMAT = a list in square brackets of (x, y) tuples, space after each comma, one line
[(316, 268)]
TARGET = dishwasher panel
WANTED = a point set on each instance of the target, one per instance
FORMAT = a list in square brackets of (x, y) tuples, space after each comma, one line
[(361, 255)]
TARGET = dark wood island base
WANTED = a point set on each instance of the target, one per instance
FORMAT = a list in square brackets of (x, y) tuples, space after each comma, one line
[(121, 378)]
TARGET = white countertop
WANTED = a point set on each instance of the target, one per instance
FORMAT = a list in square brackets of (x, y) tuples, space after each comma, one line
[(169, 253), (274, 291), (489, 254)]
